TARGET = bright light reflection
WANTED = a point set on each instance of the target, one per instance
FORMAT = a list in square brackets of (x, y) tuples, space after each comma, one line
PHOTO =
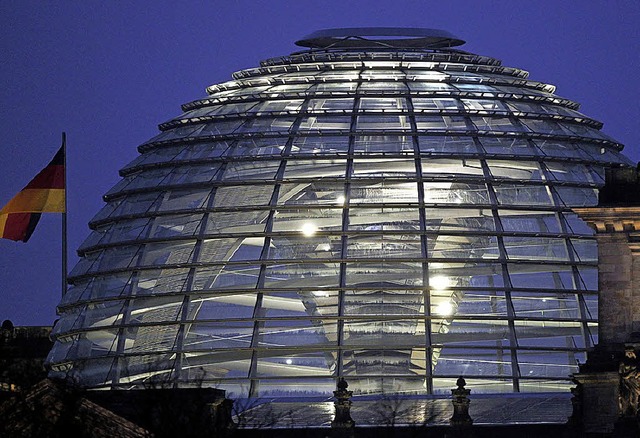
[(340, 200), (309, 229), (319, 293), (444, 309), (439, 282), (288, 361)]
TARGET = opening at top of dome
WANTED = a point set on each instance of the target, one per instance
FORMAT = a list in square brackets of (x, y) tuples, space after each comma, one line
[(380, 37)]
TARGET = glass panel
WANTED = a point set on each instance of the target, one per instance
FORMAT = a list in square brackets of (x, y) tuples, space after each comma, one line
[(579, 173), (384, 274), (430, 87), (274, 363), (155, 309), (465, 361), (441, 123), (323, 123), (320, 145), (545, 305), (315, 169), (232, 249), (483, 105), (461, 247), (584, 250), (383, 143), (382, 123), (304, 246), (383, 167), (219, 335), (435, 104), (376, 303), (309, 221), (189, 199), (380, 362), (507, 146), (331, 104), (298, 304), (277, 106), (389, 333), (535, 248), (252, 170), (546, 126), (541, 276), (497, 124), (221, 306), (433, 167), (517, 194), (480, 302), (336, 88), (267, 124), (529, 221), (296, 332), (547, 363), (210, 368), (382, 104), (236, 222), (384, 219), (312, 193), (384, 246), (577, 196), (478, 386), (170, 253), (456, 193), (225, 277), (447, 145), (160, 281), (383, 192), (520, 170), (295, 275), (118, 232), (250, 195), (249, 147), (390, 87), (175, 225), (458, 219)]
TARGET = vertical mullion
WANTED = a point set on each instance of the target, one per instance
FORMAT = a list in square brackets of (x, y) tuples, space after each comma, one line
[(506, 278), (258, 324), (575, 273), (344, 239), (426, 290), (189, 284)]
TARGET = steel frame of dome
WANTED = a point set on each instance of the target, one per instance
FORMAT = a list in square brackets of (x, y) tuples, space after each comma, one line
[(395, 216)]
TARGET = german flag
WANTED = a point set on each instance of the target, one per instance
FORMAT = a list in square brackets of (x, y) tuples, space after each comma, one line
[(44, 194)]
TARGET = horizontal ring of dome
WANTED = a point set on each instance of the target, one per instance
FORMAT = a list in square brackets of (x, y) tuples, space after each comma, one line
[(362, 112), (455, 57), (261, 96), (399, 65)]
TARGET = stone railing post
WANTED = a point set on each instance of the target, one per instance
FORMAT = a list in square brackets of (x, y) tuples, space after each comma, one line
[(460, 421), (342, 424)]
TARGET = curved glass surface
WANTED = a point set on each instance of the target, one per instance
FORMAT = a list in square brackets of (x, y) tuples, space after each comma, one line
[(395, 218)]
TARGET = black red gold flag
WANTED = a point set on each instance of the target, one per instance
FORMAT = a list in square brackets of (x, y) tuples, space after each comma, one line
[(44, 194)]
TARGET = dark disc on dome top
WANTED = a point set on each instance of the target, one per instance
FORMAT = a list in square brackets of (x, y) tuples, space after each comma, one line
[(380, 37)]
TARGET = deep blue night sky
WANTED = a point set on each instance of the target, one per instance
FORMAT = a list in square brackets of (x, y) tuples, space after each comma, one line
[(108, 73)]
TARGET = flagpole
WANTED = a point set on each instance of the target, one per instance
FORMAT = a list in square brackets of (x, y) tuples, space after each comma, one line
[(64, 218)]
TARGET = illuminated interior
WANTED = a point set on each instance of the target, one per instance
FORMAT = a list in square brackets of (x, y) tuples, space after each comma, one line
[(394, 216)]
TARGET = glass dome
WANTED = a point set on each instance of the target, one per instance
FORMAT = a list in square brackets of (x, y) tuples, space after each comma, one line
[(395, 213)]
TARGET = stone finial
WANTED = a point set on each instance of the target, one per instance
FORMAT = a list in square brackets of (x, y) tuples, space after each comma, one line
[(343, 406), (460, 400)]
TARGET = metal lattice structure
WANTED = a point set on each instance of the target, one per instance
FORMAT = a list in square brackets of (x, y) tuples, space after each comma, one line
[(392, 211)]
